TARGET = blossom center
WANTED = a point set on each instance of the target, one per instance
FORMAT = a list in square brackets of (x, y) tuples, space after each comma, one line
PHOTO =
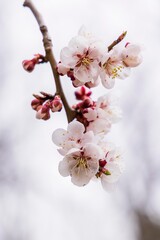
[(81, 162), (86, 61), (113, 68), (116, 70)]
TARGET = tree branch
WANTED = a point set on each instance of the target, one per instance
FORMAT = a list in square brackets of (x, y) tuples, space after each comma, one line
[(47, 42), (118, 40)]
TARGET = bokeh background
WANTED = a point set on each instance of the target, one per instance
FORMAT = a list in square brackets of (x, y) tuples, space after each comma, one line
[(36, 203)]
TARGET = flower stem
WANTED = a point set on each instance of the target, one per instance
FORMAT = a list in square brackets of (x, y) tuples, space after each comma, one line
[(47, 42), (118, 40)]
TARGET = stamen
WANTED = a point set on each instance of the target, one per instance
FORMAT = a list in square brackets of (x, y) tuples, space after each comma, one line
[(81, 161), (116, 70), (86, 61)]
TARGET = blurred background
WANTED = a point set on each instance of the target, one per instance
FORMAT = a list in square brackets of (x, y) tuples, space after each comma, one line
[(36, 203)]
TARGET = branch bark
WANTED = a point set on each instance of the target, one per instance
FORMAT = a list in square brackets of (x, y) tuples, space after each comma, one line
[(47, 42), (118, 40)]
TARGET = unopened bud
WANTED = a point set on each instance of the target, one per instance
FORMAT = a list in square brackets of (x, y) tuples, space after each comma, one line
[(82, 93), (56, 104), (43, 112), (102, 163), (36, 103), (29, 65), (87, 103)]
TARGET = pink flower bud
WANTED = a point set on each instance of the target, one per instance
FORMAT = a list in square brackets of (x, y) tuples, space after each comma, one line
[(36, 103), (102, 163), (56, 104), (131, 55), (29, 65), (82, 93), (43, 112), (87, 103)]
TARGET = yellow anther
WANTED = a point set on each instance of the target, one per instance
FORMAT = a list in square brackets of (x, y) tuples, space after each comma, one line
[(81, 161), (86, 61), (115, 71)]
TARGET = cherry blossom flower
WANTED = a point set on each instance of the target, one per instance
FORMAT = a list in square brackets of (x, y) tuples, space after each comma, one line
[(111, 166), (131, 55), (108, 103), (82, 56), (74, 137), (97, 121), (81, 165), (112, 67), (101, 114)]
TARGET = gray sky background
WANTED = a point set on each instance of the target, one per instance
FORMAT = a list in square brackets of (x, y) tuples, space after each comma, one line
[(36, 203)]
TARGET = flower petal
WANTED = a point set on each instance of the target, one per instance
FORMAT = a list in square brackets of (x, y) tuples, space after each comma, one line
[(88, 137), (107, 81), (82, 74), (67, 58), (59, 136), (91, 115), (64, 168), (99, 126), (75, 130), (92, 150), (78, 44), (115, 170), (80, 176)]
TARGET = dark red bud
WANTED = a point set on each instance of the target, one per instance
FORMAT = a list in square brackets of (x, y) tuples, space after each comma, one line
[(28, 65), (45, 108), (35, 104), (102, 163)]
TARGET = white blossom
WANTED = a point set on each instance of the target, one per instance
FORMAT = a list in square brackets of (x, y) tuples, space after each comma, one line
[(108, 103), (98, 122), (81, 165), (82, 56), (112, 67), (114, 166), (131, 55), (101, 116), (73, 137)]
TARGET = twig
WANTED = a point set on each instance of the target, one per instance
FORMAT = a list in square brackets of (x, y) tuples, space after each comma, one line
[(119, 39), (47, 42)]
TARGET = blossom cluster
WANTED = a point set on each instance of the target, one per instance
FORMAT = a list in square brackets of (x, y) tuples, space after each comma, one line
[(46, 103), (86, 154), (86, 60)]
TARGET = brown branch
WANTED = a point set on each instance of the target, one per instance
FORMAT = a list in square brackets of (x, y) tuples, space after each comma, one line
[(47, 42), (119, 39)]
